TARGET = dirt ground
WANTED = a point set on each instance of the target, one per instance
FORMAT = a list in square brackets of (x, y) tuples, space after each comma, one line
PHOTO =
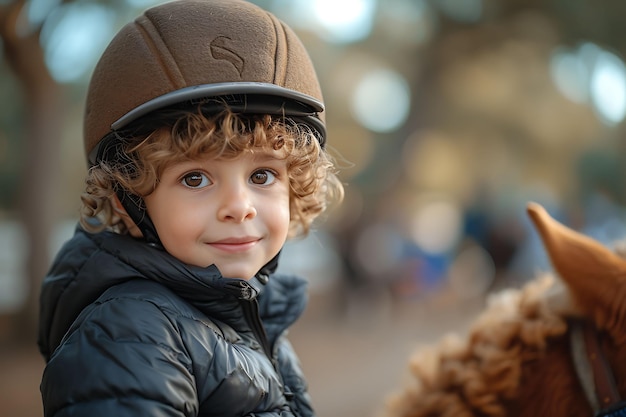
[(353, 353)]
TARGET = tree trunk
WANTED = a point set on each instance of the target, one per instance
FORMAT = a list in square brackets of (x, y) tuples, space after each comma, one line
[(39, 176)]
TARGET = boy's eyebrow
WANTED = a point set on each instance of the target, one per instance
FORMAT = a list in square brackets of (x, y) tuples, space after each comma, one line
[(265, 156)]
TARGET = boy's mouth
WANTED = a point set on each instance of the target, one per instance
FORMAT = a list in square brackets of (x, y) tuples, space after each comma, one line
[(235, 244)]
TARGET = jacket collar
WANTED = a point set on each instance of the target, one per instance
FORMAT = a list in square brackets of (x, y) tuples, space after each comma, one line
[(89, 264)]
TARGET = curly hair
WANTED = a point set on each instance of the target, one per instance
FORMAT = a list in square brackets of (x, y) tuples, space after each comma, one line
[(139, 161)]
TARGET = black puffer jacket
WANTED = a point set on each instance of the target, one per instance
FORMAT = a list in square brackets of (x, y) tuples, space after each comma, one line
[(127, 330)]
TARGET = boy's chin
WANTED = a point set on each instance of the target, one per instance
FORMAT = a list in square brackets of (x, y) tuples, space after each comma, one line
[(235, 273)]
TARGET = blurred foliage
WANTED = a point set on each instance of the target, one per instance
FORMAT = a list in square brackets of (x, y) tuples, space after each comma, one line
[(574, 21), (486, 125)]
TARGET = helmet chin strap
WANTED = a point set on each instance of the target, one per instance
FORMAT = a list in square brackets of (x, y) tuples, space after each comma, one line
[(111, 148), (134, 206)]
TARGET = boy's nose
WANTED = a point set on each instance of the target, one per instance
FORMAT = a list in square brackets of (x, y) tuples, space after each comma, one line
[(236, 205)]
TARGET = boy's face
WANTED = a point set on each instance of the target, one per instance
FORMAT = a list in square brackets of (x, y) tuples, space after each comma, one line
[(231, 213)]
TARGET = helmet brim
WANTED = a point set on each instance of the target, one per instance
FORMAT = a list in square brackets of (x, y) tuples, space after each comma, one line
[(238, 97), (248, 97)]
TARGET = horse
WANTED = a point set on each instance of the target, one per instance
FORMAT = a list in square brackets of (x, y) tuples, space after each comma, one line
[(554, 347)]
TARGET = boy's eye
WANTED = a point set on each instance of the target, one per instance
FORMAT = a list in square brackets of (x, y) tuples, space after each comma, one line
[(262, 177), (195, 180)]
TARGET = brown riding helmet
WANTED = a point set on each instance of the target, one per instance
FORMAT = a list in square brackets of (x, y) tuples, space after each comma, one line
[(187, 51)]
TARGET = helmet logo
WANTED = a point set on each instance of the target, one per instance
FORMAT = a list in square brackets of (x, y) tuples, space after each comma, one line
[(220, 49)]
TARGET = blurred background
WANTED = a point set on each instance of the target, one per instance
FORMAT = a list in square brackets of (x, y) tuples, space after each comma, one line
[(446, 117)]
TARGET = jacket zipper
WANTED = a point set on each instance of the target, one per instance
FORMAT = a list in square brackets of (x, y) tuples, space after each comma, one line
[(250, 306), (251, 314), (247, 294)]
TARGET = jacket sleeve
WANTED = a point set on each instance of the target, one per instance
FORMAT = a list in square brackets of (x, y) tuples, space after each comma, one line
[(121, 357)]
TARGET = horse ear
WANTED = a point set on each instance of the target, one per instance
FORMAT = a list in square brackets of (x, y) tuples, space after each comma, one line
[(595, 275)]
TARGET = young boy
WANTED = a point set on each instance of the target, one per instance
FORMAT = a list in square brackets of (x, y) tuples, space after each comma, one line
[(205, 141)]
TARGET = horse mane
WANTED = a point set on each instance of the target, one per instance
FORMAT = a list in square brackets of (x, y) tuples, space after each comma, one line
[(479, 374)]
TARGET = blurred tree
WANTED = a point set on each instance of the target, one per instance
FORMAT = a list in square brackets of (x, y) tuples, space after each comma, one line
[(454, 44), (40, 136)]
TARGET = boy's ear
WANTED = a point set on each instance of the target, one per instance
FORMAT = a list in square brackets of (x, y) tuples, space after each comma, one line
[(119, 209)]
